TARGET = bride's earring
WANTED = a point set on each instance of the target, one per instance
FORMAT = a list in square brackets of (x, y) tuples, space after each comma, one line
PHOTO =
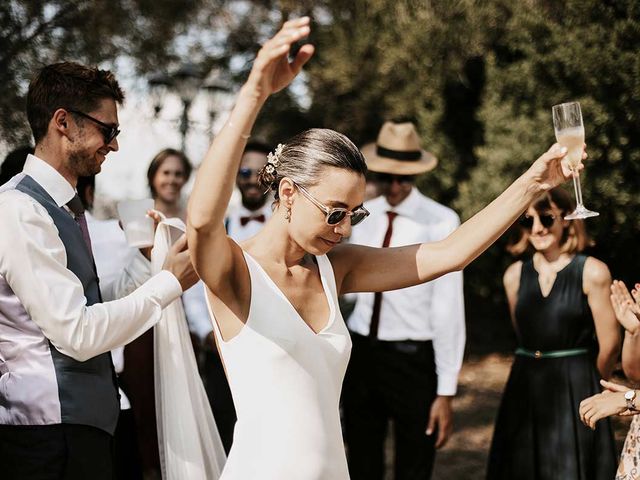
[(287, 214)]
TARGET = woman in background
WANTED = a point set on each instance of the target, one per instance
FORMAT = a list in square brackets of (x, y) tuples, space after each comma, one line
[(568, 338), (168, 172)]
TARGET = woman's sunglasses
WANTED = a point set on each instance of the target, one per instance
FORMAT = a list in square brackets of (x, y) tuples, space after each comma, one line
[(546, 219), (333, 216)]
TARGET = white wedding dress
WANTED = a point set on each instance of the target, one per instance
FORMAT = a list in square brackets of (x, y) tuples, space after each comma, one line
[(286, 382)]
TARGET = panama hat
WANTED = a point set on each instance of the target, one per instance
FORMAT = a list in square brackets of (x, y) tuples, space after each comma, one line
[(397, 151)]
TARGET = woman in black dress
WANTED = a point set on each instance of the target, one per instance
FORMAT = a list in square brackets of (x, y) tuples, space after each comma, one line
[(568, 339)]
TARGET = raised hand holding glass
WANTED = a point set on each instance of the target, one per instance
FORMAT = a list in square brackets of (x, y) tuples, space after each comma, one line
[(567, 123)]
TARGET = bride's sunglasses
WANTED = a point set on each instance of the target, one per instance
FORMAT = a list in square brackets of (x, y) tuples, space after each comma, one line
[(546, 219), (333, 216)]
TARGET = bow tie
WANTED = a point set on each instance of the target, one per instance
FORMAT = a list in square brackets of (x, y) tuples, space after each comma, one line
[(258, 218)]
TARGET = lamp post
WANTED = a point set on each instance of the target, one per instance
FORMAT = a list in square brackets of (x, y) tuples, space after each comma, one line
[(186, 82)]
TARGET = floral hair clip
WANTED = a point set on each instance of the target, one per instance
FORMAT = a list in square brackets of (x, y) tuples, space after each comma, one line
[(273, 159)]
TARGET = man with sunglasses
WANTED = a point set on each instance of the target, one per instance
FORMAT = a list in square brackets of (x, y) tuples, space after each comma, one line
[(407, 344), (246, 219), (58, 393)]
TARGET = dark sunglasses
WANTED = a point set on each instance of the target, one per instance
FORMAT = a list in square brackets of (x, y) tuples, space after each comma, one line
[(109, 132), (333, 216), (389, 178), (246, 173), (546, 219)]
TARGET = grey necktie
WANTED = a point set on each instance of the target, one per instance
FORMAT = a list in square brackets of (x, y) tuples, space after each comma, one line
[(75, 205)]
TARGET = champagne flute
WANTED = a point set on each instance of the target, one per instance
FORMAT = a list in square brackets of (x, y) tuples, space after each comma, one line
[(567, 123)]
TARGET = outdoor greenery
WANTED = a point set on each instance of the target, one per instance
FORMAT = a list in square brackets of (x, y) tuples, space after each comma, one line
[(478, 77)]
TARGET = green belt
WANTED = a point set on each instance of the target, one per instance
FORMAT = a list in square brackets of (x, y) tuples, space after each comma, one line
[(552, 354)]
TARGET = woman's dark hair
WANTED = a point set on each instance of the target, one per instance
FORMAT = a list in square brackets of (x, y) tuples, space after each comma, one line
[(305, 155), (574, 236), (257, 146), (157, 161)]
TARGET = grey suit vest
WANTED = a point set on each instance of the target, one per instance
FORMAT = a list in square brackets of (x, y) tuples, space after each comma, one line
[(86, 391)]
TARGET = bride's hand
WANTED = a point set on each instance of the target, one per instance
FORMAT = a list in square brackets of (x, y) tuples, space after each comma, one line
[(272, 70), (551, 169)]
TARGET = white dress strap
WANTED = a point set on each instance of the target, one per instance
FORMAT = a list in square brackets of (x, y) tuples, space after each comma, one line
[(326, 271)]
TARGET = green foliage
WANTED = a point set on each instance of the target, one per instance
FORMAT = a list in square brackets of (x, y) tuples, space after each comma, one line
[(34, 33)]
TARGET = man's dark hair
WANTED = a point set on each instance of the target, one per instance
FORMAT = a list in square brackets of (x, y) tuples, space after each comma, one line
[(257, 146), (14, 163), (70, 86)]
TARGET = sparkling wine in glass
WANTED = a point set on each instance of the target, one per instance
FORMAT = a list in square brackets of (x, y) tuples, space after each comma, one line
[(567, 122)]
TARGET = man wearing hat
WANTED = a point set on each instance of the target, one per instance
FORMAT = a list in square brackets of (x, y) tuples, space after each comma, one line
[(408, 344)]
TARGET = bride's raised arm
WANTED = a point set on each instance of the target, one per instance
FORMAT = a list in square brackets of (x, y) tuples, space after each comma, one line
[(211, 249), (366, 269)]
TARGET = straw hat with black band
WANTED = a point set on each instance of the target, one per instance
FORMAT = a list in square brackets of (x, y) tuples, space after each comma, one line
[(397, 151)]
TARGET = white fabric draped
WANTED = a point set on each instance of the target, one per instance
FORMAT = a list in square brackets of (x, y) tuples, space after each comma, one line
[(190, 446)]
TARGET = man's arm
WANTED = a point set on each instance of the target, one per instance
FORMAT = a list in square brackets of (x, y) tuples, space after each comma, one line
[(446, 315), (33, 262), (447, 319), (134, 274)]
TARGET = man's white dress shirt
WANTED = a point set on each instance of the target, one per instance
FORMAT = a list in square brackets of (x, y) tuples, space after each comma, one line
[(240, 232), (431, 311), (112, 255), (34, 264)]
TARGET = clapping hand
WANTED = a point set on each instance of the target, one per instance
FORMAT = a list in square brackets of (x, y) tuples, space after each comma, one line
[(627, 309), (551, 169), (272, 70)]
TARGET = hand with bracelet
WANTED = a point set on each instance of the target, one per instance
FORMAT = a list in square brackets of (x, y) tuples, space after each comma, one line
[(614, 400)]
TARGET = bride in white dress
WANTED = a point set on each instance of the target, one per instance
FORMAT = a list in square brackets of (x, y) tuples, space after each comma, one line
[(273, 298)]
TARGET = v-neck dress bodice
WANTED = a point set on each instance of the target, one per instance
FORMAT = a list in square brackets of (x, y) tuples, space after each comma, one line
[(559, 321), (286, 381)]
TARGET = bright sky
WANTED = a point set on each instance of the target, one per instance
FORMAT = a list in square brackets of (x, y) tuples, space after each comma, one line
[(142, 135)]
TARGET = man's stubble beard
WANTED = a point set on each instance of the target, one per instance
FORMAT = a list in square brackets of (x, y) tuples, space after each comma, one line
[(81, 162), (252, 204)]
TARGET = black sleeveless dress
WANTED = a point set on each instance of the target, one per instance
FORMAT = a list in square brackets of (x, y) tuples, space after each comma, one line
[(538, 434)]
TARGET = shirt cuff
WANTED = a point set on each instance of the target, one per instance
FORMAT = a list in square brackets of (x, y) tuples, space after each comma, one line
[(164, 286), (447, 385)]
